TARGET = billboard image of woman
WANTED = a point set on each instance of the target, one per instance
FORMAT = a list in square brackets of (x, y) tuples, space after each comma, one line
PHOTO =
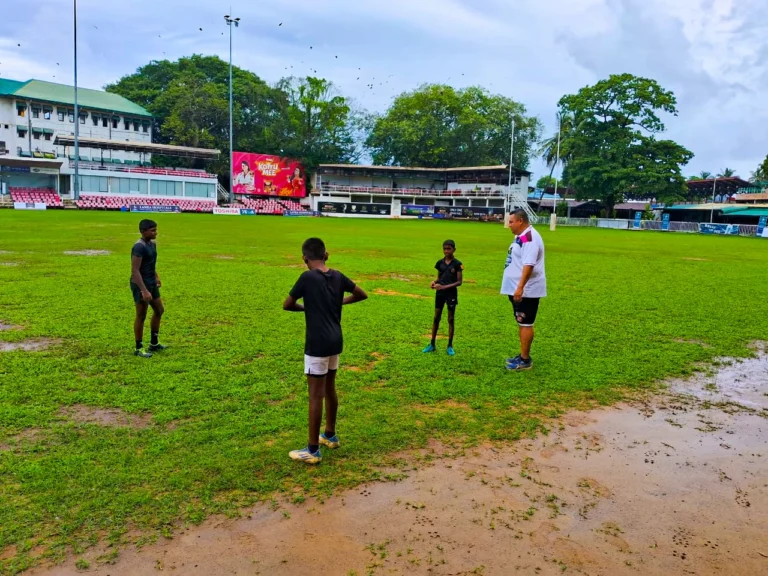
[(262, 174)]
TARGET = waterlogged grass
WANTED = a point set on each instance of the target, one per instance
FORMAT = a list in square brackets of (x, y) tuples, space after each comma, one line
[(222, 407)]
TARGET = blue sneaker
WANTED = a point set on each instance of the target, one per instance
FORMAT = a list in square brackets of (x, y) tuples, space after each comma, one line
[(430, 348), (514, 360), (451, 351), (332, 442), (520, 364), (304, 455)]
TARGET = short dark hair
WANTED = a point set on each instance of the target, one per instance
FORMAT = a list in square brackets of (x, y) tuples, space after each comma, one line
[(147, 225), (313, 249), (450, 243), (521, 215)]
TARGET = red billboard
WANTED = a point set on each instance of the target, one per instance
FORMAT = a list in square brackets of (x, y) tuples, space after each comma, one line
[(268, 175)]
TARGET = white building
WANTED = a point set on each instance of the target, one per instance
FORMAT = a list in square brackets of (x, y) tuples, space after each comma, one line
[(37, 125)]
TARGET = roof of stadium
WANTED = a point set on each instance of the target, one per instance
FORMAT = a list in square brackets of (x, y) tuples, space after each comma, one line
[(730, 185), (134, 146), (361, 168), (41, 91)]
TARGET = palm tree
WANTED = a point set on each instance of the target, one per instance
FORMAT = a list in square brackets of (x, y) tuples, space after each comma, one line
[(705, 175), (548, 147), (727, 173)]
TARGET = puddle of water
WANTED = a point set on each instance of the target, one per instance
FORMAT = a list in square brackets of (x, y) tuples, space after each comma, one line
[(33, 345)]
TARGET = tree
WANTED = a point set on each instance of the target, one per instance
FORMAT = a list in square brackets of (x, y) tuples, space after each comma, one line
[(727, 173), (761, 173), (705, 175), (548, 149), (614, 152), (545, 182), (438, 126)]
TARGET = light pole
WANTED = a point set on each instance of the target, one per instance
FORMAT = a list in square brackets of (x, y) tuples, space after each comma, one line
[(231, 22), (511, 154), (557, 179), (77, 121), (712, 211)]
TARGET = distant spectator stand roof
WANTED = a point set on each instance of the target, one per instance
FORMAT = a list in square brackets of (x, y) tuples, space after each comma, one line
[(41, 91), (388, 170), (702, 188)]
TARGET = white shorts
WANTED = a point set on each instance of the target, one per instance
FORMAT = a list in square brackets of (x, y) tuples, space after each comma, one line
[(315, 366)]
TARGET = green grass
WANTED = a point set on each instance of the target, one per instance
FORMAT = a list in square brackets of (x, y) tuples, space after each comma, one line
[(228, 400)]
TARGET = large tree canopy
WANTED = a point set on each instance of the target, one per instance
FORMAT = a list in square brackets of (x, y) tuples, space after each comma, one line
[(613, 150), (189, 99), (438, 126), (761, 173)]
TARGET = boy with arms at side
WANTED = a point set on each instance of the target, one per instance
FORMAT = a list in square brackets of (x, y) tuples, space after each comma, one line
[(449, 278), (322, 291), (145, 287)]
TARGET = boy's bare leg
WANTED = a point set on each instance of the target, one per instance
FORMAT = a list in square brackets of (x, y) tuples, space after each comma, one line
[(316, 397), (138, 323), (451, 315), (436, 324), (331, 404), (157, 313)]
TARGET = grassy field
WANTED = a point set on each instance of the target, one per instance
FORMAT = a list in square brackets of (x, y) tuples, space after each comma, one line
[(224, 405)]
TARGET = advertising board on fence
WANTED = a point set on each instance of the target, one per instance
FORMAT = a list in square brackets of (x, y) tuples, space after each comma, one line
[(147, 208), (471, 212), (415, 210), (227, 211), (762, 227), (355, 208), (29, 206), (665, 223), (266, 175), (723, 229), (638, 218), (299, 213)]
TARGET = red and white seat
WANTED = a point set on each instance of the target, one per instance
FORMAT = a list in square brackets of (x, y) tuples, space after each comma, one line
[(293, 206), (263, 205), (98, 202), (47, 196)]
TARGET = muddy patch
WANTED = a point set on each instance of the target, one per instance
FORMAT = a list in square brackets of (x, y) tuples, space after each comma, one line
[(223, 257), (382, 292), (376, 357), (696, 259), (5, 252), (9, 264), (393, 276), (6, 327), (614, 491), (87, 252), (692, 341), (28, 436), (110, 417), (31, 345)]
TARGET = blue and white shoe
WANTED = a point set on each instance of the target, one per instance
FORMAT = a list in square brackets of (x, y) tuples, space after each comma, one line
[(332, 442), (304, 455), (430, 348), (514, 360), (451, 351), (519, 364)]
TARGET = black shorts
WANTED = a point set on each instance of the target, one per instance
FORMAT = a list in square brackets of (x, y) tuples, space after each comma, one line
[(446, 297), (525, 311), (153, 289)]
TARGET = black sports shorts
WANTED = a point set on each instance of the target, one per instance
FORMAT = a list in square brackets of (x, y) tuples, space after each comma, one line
[(446, 297), (153, 289), (525, 310)]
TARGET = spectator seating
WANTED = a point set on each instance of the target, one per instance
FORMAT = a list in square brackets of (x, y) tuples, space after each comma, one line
[(95, 202), (47, 196), (293, 206), (263, 205)]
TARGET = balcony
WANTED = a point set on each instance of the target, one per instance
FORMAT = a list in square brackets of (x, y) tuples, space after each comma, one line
[(481, 192), (134, 169)]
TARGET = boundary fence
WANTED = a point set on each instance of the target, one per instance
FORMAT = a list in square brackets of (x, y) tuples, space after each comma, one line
[(620, 224)]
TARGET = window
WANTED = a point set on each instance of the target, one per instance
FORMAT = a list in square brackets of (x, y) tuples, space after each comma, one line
[(197, 190), (60, 114), (35, 112), (71, 115), (83, 117), (130, 185), (94, 184), (47, 136), (166, 188), (95, 119), (145, 127), (126, 123), (36, 135), (135, 126), (47, 114), (105, 122), (115, 122), (22, 131)]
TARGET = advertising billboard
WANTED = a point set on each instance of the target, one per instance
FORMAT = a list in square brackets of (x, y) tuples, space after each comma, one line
[(355, 208), (265, 175), (725, 229)]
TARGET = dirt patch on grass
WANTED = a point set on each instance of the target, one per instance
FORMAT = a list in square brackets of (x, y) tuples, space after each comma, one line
[(31, 345), (393, 276), (87, 252), (696, 259), (110, 417), (9, 263), (382, 292), (443, 407), (5, 327), (376, 358), (5, 252), (692, 341), (30, 435), (223, 257)]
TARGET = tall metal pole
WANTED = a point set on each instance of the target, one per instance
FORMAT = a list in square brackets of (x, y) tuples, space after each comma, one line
[(77, 121), (231, 22), (511, 154), (557, 178), (712, 211)]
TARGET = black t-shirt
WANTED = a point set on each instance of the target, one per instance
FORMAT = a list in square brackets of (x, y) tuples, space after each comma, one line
[(323, 294), (448, 273), (147, 251)]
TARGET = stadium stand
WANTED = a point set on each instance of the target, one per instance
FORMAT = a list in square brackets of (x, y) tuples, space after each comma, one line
[(132, 169), (263, 205), (293, 206), (94, 202), (47, 196)]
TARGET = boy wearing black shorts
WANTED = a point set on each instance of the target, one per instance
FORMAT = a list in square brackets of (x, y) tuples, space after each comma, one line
[(449, 278), (322, 291), (145, 287)]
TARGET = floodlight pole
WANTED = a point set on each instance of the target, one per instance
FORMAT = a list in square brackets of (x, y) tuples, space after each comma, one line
[(76, 193), (511, 154), (712, 210), (230, 22), (557, 179)]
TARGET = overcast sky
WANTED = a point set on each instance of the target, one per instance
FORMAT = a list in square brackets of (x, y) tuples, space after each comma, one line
[(712, 53)]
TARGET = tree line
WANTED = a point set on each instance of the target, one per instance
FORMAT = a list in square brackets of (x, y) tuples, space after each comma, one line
[(611, 147)]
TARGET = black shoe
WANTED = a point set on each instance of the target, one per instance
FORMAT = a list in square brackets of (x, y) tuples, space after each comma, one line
[(140, 352), (157, 347)]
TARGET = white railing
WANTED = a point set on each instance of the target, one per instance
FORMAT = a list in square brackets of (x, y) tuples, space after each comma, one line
[(621, 224), (177, 173), (222, 192), (374, 191)]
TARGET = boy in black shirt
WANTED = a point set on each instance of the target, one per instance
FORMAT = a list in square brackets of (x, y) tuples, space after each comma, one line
[(322, 290), (449, 278), (145, 286)]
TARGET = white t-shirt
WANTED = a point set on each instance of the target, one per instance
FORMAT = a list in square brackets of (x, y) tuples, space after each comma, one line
[(526, 250)]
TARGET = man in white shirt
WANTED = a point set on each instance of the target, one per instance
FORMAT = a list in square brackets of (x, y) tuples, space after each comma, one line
[(524, 282)]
